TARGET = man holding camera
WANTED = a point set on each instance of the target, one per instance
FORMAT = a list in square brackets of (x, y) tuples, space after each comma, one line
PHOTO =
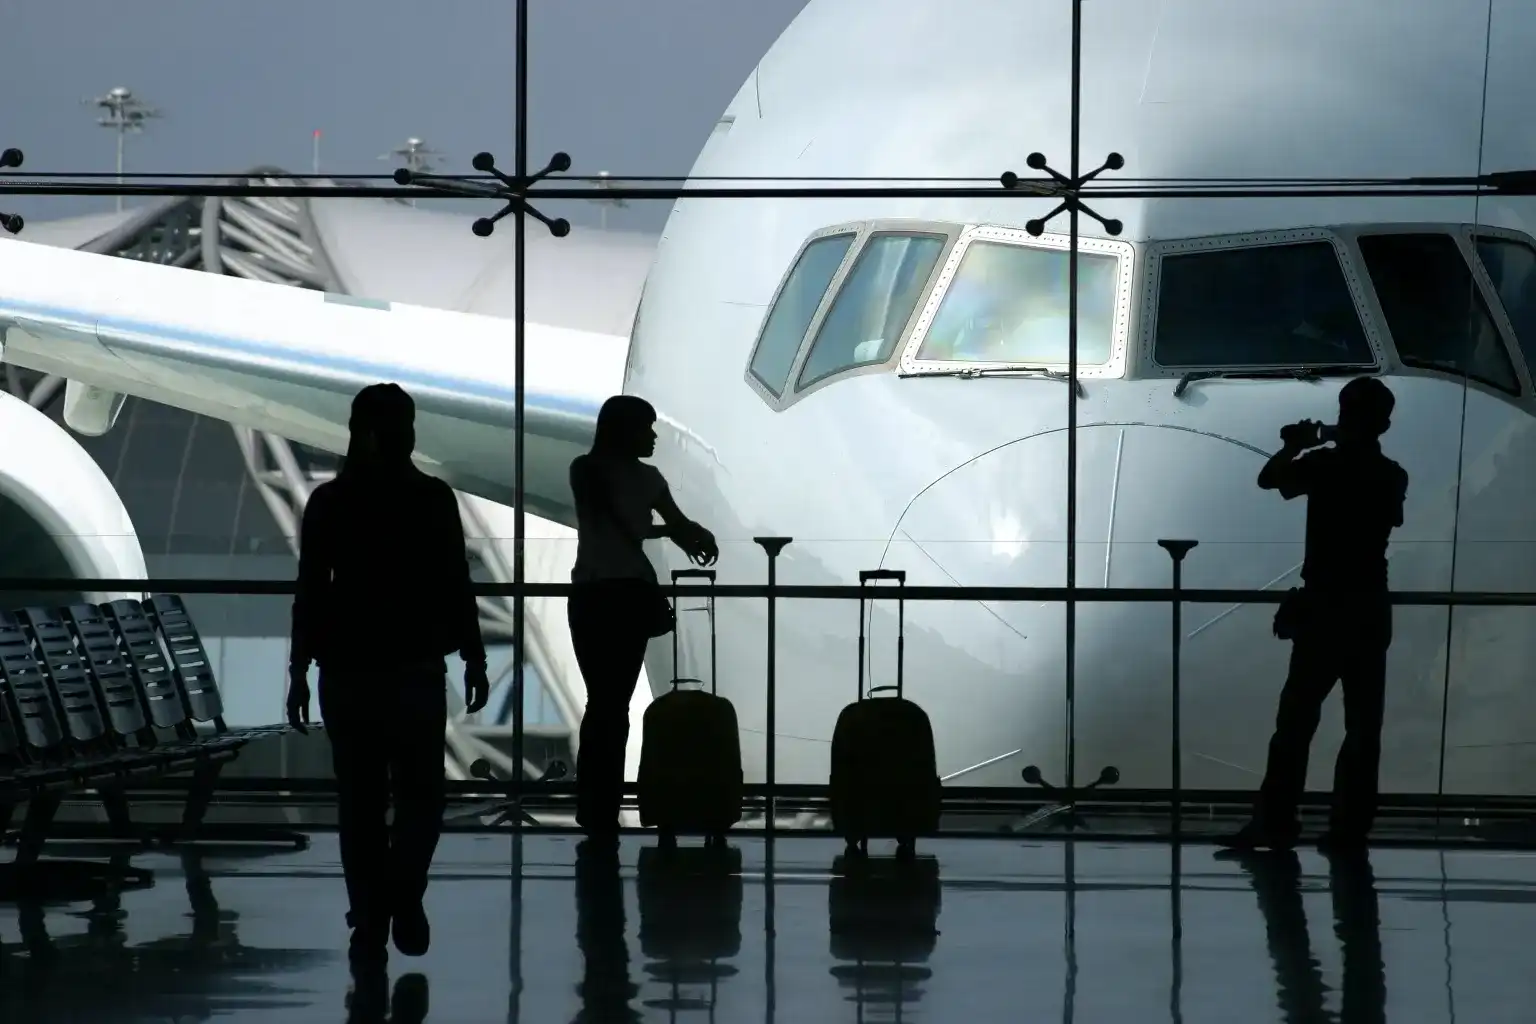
[(1340, 621)]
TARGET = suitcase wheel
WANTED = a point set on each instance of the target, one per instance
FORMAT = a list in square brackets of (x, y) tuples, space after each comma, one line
[(856, 848)]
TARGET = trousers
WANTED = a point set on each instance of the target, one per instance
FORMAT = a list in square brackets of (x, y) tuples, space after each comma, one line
[(1346, 642), (609, 636), (386, 733)]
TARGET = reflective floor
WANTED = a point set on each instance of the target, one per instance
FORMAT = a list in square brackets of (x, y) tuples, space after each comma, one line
[(977, 930)]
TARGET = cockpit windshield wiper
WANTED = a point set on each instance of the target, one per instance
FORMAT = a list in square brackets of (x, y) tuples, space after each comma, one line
[(972, 372), (1306, 373)]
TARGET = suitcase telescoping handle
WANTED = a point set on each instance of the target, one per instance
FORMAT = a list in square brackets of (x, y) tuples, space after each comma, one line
[(867, 577), (708, 576)]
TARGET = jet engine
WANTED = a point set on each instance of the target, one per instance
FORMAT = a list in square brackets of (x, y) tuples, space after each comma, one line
[(60, 517)]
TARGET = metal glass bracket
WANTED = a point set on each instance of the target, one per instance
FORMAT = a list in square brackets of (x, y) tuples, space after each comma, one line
[(11, 222), (510, 190), (1068, 189)]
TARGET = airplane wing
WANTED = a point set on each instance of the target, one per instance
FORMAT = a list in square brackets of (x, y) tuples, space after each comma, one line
[(288, 361)]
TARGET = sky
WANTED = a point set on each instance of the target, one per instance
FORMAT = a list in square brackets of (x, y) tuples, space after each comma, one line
[(626, 86)]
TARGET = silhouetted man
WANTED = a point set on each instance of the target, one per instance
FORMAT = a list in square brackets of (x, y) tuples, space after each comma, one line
[(1340, 621), (383, 596)]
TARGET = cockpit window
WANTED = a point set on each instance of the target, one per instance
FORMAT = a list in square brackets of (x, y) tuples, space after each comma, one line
[(794, 309), (1007, 303), (1434, 309), (871, 310), (1511, 265), (1272, 305)]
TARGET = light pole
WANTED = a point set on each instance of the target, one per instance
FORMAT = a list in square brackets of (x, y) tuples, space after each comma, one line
[(123, 113), (604, 183), (415, 155)]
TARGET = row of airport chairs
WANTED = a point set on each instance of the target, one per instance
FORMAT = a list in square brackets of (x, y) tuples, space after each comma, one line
[(98, 697)]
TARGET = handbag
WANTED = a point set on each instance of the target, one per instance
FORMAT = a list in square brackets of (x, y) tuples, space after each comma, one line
[(655, 612)]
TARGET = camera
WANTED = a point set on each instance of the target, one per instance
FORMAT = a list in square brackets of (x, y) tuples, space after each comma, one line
[(1308, 433)]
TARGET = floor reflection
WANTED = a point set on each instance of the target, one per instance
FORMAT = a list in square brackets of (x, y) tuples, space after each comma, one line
[(883, 919), (607, 991), (1081, 933), (97, 975), (1301, 992), (690, 920), (369, 1000)]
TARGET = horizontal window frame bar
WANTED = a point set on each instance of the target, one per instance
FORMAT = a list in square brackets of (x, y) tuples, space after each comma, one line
[(799, 592)]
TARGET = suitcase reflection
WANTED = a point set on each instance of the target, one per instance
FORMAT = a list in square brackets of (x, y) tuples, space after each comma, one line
[(690, 920), (883, 917)]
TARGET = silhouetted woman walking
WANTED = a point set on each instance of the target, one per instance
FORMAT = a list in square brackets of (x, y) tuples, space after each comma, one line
[(617, 605), (383, 595)]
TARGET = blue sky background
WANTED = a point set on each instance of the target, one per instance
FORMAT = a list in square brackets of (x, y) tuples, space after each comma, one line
[(627, 86)]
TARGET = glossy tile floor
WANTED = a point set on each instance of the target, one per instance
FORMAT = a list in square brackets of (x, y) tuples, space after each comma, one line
[(978, 930)]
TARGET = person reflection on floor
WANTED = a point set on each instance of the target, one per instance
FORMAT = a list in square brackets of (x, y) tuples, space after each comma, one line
[(1276, 881), (606, 989), (383, 597), (369, 1001)]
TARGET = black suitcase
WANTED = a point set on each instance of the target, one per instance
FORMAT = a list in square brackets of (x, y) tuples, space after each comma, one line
[(885, 780), (690, 778)]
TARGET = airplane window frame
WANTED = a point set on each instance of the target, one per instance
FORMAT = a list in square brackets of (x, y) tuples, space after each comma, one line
[(856, 230), (863, 231), (1151, 295), (1461, 235), (1471, 235), (1124, 252), (946, 234)]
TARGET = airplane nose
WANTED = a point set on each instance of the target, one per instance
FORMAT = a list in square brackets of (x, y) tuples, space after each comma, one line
[(994, 673)]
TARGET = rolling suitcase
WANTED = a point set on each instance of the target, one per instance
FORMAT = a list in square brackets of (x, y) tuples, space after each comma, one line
[(885, 780), (690, 751)]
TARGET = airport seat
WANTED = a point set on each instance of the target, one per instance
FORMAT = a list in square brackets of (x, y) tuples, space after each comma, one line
[(46, 763), (20, 776), (88, 705), (173, 709), (159, 685), (120, 645), (86, 713), (192, 667), (125, 699)]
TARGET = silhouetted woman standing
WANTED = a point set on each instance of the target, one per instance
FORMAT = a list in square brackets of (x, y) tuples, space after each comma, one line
[(617, 605)]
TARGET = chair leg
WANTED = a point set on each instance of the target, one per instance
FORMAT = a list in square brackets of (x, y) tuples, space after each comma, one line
[(205, 778), (199, 795), (115, 803), (34, 830)]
